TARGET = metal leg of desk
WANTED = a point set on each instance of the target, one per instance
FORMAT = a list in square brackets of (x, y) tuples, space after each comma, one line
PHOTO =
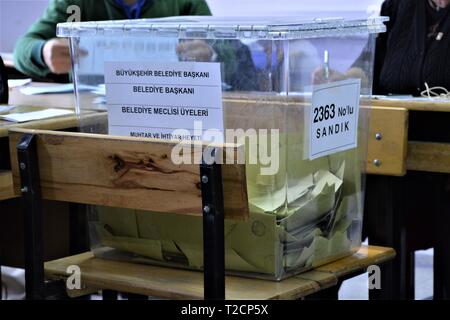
[(35, 286), (78, 228), (441, 288), (213, 232), (31, 193), (385, 218)]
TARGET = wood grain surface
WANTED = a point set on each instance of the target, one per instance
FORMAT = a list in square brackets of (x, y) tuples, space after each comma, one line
[(128, 173), (173, 283)]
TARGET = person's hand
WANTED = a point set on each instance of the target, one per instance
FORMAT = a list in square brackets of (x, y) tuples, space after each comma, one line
[(319, 76), (56, 55), (195, 50)]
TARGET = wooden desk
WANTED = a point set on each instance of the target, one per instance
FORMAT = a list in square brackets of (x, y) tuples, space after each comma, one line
[(31, 103), (25, 103), (411, 105), (399, 149), (59, 238), (410, 210), (100, 274), (58, 123), (59, 100)]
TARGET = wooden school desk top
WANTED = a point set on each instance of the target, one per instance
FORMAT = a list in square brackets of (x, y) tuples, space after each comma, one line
[(25, 103), (419, 104)]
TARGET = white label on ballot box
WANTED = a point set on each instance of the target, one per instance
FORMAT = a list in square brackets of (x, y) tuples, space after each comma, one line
[(152, 99), (332, 124)]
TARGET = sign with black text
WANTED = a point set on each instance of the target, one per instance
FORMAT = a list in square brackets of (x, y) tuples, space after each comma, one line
[(332, 124), (164, 100)]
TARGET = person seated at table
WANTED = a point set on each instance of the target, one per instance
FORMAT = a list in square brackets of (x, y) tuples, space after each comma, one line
[(40, 54), (415, 49)]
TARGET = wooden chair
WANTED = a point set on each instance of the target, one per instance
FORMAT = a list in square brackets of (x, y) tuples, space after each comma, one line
[(139, 174), (94, 169)]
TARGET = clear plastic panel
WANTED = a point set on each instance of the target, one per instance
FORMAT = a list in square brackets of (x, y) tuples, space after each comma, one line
[(207, 27), (304, 214)]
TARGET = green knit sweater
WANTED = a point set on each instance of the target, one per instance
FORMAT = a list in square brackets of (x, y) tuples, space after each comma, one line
[(28, 51)]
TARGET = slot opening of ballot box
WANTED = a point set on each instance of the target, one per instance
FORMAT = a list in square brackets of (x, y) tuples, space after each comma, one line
[(288, 92)]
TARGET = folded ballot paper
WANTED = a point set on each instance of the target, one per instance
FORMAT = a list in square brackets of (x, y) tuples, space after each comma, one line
[(299, 218), (35, 115)]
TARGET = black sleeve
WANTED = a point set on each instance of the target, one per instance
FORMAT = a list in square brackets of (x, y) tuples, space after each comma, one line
[(388, 9)]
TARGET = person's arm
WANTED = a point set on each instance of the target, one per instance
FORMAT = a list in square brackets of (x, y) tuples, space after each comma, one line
[(389, 9), (28, 53), (363, 62), (194, 8)]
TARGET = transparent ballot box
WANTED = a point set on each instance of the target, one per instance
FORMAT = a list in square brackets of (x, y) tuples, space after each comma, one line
[(294, 93)]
